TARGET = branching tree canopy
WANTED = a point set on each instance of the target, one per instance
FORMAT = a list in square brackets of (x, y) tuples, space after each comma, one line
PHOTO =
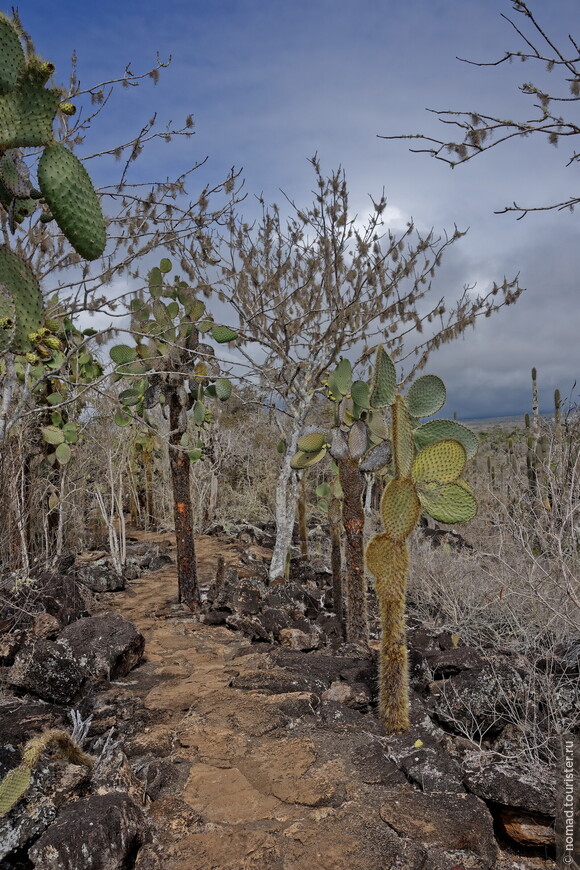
[(475, 132), (321, 283)]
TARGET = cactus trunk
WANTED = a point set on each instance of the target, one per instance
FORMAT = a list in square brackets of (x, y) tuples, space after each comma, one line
[(352, 483), (393, 664), (180, 474), (336, 559), (302, 523)]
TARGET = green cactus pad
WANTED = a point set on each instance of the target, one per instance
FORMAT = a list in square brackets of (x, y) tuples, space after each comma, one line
[(426, 396), (360, 393), (378, 457), (400, 508), (13, 786), (312, 442), (377, 425), (439, 462), (122, 354), (357, 439), (223, 334), (340, 380), (403, 446), (23, 287), (27, 113), (14, 175), (7, 319), (12, 58), (72, 199), (305, 460), (155, 282), (223, 389), (384, 380), (388, 562), (448, 503), (436, 430)]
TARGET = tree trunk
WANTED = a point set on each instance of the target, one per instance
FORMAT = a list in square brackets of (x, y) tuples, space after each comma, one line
[(302, 524), (336, 558), (286, 498), (182, 509), (352, 483), (150, 522)]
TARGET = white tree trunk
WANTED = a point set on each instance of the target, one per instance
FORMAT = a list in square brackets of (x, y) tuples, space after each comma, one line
[(286, 496)]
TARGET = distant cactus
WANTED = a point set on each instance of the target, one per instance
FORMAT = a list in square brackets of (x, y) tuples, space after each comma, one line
[(171, 367)]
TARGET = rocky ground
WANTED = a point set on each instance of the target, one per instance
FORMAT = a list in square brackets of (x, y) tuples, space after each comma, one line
[(248, 738)]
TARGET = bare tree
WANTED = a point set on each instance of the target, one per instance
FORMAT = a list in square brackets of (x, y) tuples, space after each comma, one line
[(480, 132), (316, 285)]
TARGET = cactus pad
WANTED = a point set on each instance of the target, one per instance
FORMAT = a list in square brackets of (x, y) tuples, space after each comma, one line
[(72, 199), (223, 389), (7, 319), (340, 380), (435, 430), (400, 508), (384, 380), (403, 446), (357, 439), (448, 503), (305, 460), (222, 334), (360, 393), (13, 786), (312, 442), (27, 113), (11, 55), (23, 287), (441, 462), (378, 457), (426, 396), (14, 173)]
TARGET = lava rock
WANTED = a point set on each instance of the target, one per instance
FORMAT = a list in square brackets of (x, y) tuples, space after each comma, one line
[(51, 670), (103, 832), (100, 578), (108, 646)]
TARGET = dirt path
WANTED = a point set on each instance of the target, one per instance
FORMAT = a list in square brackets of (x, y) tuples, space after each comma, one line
[(247, 791)]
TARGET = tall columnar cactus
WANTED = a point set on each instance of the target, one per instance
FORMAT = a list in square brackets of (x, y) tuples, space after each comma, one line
[(27, 112), (427, 464)]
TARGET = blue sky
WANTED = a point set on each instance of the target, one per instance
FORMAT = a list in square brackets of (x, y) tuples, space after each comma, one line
[(270, 83)]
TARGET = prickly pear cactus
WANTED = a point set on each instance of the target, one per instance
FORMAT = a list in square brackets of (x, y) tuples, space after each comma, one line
[(71, 197), (428, 462), (11, 55), (17, 781), (19, 282), (27, 112)]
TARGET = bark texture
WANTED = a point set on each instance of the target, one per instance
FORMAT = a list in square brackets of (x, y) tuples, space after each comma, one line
[(352, 483), (182, 510), (336, 559)]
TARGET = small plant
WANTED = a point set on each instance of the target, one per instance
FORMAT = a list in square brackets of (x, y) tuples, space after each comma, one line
[(17, 781)]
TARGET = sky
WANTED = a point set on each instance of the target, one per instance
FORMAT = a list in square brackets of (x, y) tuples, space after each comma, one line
[(271, 83)]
